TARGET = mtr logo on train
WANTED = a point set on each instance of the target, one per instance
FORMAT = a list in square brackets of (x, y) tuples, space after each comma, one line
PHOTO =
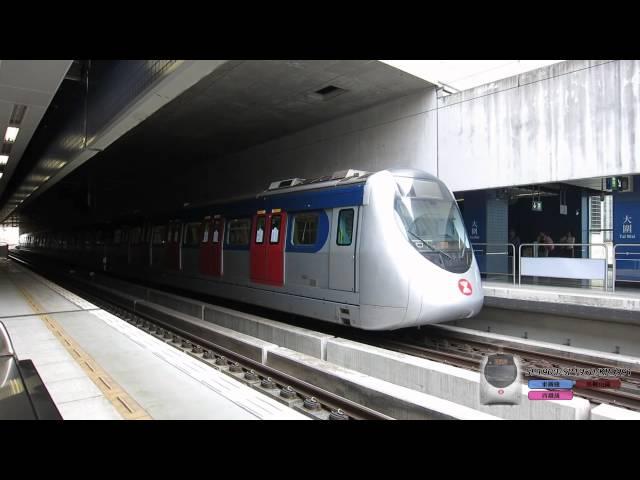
[(464, 286)]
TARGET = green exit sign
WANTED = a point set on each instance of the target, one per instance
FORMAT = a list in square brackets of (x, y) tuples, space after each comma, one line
[(618, 184)]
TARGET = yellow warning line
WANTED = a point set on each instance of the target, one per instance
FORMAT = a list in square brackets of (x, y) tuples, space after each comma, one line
[(119, 398)]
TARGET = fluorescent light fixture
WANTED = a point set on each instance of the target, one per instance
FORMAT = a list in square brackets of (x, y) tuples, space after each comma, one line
[(12, 133), (4, 159)]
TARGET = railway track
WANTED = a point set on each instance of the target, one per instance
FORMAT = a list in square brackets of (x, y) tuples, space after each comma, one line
[(463, 353)]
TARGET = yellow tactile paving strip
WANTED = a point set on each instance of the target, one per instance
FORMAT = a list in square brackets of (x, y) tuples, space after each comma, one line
[(126, 406)]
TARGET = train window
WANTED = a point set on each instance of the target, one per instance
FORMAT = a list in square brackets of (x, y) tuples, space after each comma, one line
[(345, 227), (275, 228), (191, 235), (159, 235), (260, 226), (205, 232), (239, 231), (305, 229)]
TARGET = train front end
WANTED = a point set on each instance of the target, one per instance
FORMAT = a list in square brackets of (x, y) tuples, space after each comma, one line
[(427, 264)]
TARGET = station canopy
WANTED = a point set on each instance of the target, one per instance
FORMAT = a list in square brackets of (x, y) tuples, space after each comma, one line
[(458, 75)]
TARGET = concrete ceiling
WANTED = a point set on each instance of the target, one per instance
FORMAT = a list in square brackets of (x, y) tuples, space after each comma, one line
[(32, 83), (239, 105), (244, 103)]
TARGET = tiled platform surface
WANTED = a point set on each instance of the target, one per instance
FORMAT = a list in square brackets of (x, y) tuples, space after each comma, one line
[(165, 382)]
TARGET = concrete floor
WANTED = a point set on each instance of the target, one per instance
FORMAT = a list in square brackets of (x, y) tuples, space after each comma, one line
[(596, 335), (165, 382)]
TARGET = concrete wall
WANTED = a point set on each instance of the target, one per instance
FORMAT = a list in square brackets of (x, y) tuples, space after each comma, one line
[(572, 120), (397, 133)]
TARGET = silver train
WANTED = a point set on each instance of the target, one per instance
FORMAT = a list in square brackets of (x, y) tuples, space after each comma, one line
[(377, 251)]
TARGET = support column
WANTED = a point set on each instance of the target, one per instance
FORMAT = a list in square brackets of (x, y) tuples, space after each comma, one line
[(486, 217), (626, 229)]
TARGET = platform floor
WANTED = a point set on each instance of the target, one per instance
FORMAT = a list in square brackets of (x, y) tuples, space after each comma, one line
[(97, 366), (621, 306), (585, 318)]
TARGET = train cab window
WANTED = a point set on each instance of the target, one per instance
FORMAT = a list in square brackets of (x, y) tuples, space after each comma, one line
[(260, 226), (345, 227), (305, 229), (239, 232), (191, 235), (159, 235), (275, 229)]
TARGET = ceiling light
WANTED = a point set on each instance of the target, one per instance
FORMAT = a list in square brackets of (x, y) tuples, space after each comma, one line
[(12, 133), (4, 159)]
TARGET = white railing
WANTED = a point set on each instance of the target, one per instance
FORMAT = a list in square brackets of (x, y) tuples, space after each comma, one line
[(564, 267), (626, 258), (486, 253)]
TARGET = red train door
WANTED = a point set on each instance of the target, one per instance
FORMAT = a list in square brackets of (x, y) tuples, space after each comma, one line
[(275, 247), (267, 247), (173, 246), (206, 248), (258, 248), (217, 236)]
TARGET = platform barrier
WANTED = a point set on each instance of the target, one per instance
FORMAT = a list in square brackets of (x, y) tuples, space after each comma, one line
[(563, 267), (626, 263), (494, 259)]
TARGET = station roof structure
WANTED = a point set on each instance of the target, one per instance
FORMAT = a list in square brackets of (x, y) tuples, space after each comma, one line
[(458, 75)]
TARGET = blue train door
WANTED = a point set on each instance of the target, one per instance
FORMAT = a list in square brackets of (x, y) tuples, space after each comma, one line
[(342, 258)]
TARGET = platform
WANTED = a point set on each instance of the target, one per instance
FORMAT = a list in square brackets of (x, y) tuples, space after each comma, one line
[(97, 366), (621, 306)]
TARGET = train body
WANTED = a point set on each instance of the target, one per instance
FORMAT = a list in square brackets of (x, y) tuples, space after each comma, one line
[(376, 251)]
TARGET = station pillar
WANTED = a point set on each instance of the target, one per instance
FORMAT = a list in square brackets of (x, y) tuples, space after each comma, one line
[(626, 230), (486, 216)]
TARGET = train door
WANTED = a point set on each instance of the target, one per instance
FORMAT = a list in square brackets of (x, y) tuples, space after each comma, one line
[(267, 247), (173, 246), (211, 246), (342, 252), (258, 248), (206, 248), (275, 247), (217, 235)]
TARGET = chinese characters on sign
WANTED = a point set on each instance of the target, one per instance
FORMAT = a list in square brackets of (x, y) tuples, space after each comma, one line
[(627, 228)]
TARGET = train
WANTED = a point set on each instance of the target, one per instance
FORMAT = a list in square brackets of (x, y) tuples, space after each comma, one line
[(371, 250)]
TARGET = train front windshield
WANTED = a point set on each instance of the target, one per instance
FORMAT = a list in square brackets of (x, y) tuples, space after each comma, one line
[(430, 217)]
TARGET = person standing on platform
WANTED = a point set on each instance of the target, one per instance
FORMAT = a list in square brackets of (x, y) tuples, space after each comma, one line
[(568, 238), (548, 241)]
